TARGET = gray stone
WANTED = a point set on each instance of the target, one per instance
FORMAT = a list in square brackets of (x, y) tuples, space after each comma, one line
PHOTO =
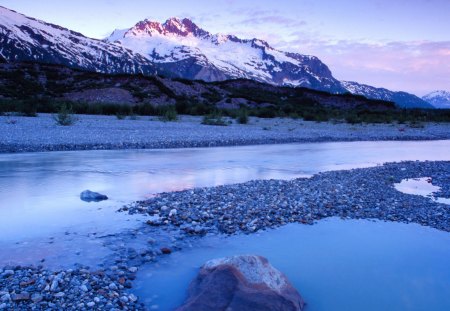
[(6, 298), (112, 286), (8, 273), (36, 298), (24, 296), (90, 196), (59, 295)]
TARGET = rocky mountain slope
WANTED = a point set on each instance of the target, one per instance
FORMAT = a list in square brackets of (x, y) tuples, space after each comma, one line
[(26, 39), (54, 82), (177, 48), (439, 99)]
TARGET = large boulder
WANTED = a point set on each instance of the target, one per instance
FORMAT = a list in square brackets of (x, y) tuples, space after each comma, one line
[(90, 196), (241, 283)]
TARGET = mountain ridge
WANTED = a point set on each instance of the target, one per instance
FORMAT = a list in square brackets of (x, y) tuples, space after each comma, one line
[(439, 99), (177, 48)]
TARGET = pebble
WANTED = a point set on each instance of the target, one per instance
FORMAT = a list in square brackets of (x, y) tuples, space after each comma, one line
[(78, 290)]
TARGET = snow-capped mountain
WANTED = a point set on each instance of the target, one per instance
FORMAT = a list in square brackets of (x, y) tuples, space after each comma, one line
[(175, 48), (402, 99), (182, 49), (26, 39), (439, 99)]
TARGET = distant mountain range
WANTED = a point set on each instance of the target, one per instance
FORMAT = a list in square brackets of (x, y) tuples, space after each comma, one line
[(439, 99), (177, 48)]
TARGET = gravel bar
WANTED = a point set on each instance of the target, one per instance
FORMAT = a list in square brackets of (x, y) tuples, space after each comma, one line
[(367, 193), (22, 134)]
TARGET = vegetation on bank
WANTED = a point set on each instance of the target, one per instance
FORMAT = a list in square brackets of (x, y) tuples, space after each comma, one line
[(307, 111), (29, 88)]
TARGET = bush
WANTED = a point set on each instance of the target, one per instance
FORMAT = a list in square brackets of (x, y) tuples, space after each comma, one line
[(353, 119), (214, 119), (168, 114), (65, 116), (242, 117), (28, 108)]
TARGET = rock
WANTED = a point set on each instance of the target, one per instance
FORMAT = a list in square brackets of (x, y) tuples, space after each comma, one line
[(241, 283), (55, 285), (27, 283), (60, 294), (90, 304), (83, 288), (3, 306), (89, 196), (37, 298), (20, 297), (166, 251), (132, 298), (5, 298), (133, 269), (8, 273), (155, 220), (113, 286)]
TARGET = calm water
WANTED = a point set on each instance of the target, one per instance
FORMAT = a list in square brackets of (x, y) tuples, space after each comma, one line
[(336, 264), (421, 186), (41, 215)]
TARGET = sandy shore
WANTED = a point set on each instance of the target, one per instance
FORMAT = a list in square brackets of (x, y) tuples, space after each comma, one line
[(22, 134)]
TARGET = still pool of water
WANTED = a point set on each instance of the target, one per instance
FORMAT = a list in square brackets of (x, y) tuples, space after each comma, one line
[(335, 264), (421, 186), (40, 207)]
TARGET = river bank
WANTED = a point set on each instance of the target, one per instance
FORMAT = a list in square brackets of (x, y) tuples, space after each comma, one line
[(25, 134), (249, 207)]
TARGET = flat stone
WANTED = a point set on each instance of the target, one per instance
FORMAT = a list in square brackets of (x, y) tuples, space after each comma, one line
[(20, 297)]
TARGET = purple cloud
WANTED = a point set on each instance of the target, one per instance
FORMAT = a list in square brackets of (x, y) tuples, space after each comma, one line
[(417, 66)]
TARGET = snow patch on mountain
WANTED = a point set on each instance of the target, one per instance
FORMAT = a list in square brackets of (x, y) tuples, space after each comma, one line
[(402, 99), (439, 99)]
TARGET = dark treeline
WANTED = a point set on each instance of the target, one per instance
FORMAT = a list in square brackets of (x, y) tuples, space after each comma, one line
[(307, 110)]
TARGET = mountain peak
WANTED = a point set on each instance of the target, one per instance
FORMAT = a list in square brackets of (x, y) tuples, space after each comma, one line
[(439, 99), (174, 26)]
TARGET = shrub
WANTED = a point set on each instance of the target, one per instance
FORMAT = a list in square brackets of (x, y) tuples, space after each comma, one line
[(242, 117), (168, 114), (65, 116), (27, 108), (214, 118), (353, 119)]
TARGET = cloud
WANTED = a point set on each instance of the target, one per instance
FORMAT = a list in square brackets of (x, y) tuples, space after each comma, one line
[(414, 66), (273, 19), (252, 16)]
